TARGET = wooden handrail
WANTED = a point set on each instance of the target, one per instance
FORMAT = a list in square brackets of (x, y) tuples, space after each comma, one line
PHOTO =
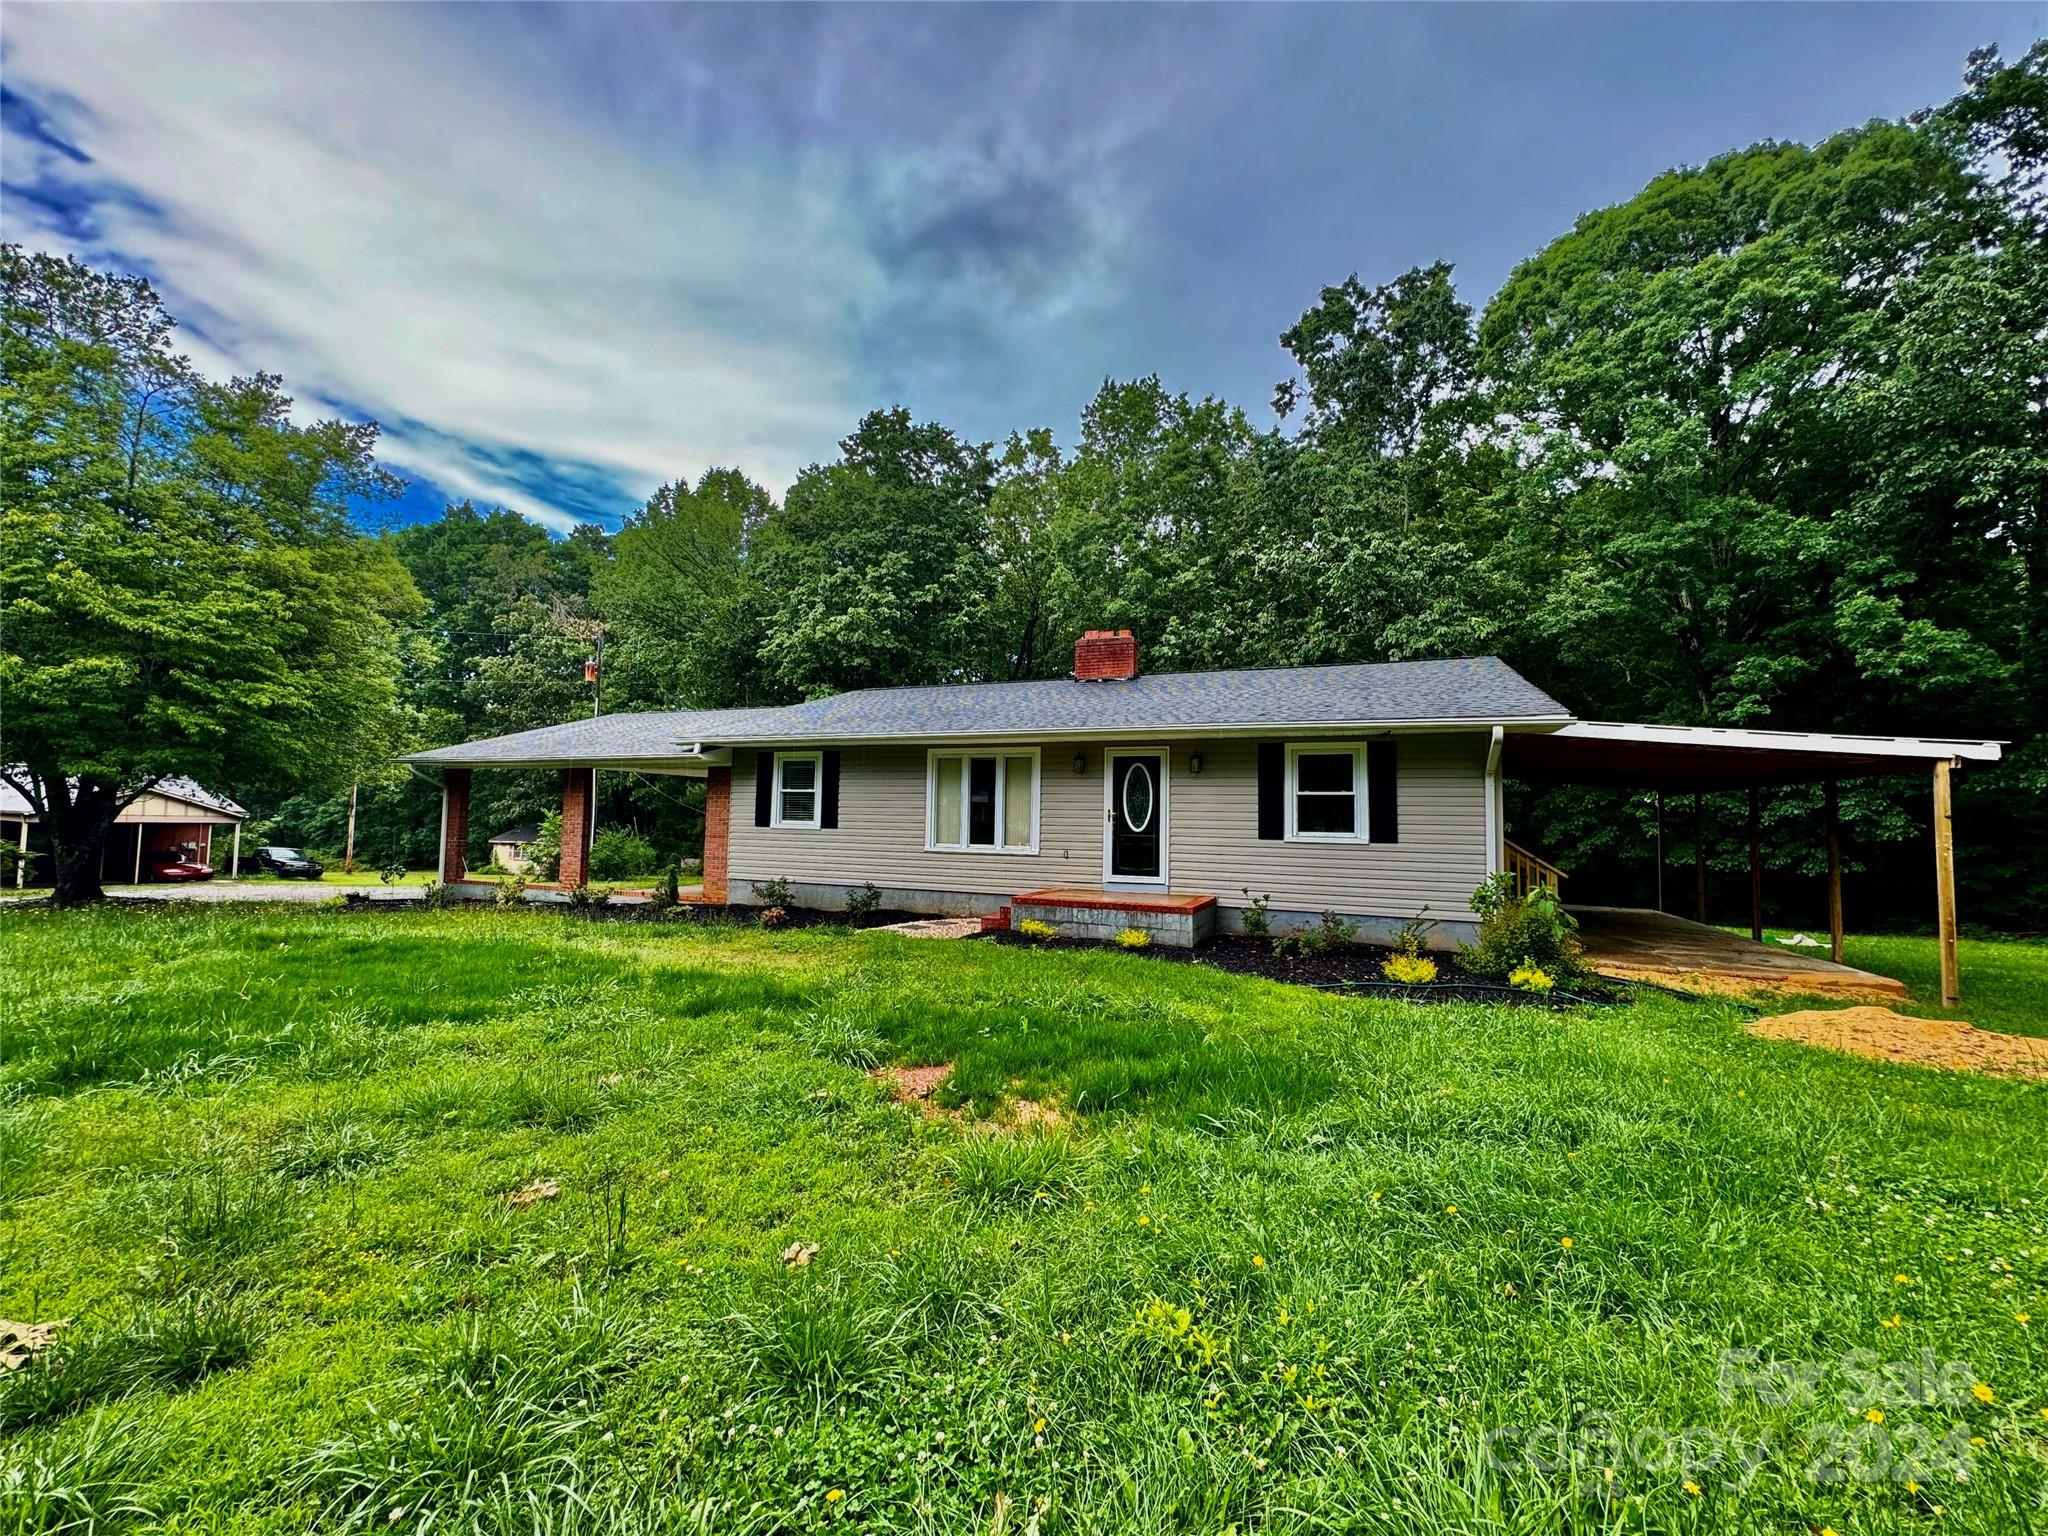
[(1530, 871)]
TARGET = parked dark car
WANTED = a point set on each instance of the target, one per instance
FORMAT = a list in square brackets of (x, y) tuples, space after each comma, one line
[(287, 861), (172, 864)]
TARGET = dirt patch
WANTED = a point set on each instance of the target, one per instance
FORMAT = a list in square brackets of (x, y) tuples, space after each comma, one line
[(1887, 1036), (914, 1085), (538, 1190)]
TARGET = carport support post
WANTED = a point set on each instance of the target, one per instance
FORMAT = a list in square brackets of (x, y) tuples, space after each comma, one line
[(1756, 869), (1660, 850), (1834, 872), (1945, 885), (453, 862), (1699, 858), (235, 854)]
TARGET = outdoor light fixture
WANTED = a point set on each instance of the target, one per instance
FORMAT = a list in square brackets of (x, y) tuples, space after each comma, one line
[(1194, 762), (1080, 762)]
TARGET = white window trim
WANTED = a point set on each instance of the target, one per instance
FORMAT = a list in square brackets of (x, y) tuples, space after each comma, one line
[(1363, 832), (931, 798), (775, 816)]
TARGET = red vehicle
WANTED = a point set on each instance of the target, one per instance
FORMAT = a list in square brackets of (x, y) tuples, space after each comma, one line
[(176, 864)]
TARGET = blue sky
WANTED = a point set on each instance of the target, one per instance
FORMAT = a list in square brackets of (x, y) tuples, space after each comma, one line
[(565, 254)]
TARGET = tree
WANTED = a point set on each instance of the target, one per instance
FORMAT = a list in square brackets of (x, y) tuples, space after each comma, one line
[(877, 568), (180, 590)]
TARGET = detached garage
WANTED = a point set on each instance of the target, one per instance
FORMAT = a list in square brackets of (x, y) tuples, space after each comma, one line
[(176, 820)]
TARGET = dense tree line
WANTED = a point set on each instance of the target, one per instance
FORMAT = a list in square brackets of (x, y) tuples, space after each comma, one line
[(1766, 444)]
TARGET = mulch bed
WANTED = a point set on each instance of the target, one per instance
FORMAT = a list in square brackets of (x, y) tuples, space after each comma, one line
[(1356, 967)]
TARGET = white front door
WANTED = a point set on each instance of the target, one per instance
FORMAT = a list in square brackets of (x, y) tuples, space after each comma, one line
[(1134, 820)]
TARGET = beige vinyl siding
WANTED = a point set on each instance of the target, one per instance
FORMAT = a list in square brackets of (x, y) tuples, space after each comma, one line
[(1441, 855), (881, 831), (1213, 841)]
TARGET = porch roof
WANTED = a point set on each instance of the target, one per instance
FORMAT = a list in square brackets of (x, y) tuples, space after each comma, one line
[(1710, 758)]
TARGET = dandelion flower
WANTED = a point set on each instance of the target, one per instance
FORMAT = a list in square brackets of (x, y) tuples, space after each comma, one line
[(1692, 1487), (1144, 1221), (1874, 1415), (1450, 1210), (2023, 1318), (1144, 1189), (1902, 1279), (1894, 1321), (1979, 1440), (1567, 1242), (833, 1496), (1258, 1261), (1911, 1486), (1982, 1393)]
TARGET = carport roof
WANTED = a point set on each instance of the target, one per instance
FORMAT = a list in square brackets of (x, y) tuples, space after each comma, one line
[(1709, 758)]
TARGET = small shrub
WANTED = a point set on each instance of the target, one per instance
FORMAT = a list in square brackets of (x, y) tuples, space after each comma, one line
[(544, 853), (438, 896), (1288, 946), (1531, 978), (1037, 930), (1132, 938), (1257, 914), (1328, 936), (587, 898), (863, 898), (392, 872), (775, 893), (772, 917), (1532, 930), (1414, 935), (616, 854), (669, 892), (1410, 970), (511, 891)]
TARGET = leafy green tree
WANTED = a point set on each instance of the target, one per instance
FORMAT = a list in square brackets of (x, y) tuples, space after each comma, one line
[(877, 568), (180, 589)]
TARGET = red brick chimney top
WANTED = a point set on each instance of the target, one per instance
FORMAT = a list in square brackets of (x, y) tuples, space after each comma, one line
[(1106, 655)]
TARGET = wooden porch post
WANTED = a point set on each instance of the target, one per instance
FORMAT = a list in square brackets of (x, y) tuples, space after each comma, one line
[(1834, 873), (1756, 868), (1660, 850), (1945, 885), (1699, 857)]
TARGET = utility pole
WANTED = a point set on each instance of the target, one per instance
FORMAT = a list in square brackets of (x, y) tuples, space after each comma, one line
[(597, 677), (348, 857)]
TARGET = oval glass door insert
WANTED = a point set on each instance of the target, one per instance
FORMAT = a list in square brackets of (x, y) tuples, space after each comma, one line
[(1138, 797)]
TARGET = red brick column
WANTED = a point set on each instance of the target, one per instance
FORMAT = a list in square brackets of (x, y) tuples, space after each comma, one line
[(575, 868), (454, 824), (717, 831)]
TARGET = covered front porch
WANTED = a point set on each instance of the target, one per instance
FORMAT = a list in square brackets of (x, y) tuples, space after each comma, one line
[(1680, 762)]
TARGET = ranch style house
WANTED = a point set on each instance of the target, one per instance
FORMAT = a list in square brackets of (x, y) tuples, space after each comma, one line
[(1114, 798)]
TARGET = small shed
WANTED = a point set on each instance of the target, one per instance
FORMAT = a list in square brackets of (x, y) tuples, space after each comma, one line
[(509, 849), (175, 818)]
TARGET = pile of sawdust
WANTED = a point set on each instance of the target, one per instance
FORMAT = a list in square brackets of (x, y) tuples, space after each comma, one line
[(1889, 1036)]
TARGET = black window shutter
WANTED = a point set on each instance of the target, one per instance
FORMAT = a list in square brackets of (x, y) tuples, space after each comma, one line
[(1382, 793), (764, 787), (1272, 792), (828, 804)]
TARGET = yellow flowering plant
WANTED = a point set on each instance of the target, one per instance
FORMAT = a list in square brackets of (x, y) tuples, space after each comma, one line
[(1133, 938), (1410, 970), (1531, 978), (1037, 930)]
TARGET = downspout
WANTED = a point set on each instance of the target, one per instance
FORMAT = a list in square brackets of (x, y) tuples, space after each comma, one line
[(1495, 858)]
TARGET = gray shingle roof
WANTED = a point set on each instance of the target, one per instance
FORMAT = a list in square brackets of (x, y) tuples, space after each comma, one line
[(1477, 690)]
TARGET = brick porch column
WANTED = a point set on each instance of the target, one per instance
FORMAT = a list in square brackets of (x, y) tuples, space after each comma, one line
[(717, 831), (454, 825), (575, 868)]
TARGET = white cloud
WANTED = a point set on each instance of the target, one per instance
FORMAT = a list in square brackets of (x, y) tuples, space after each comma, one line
[(361, 199)]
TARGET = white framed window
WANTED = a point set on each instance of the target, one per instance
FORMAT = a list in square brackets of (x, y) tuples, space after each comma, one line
[(799, 790), (1326, 792), (982, 802)]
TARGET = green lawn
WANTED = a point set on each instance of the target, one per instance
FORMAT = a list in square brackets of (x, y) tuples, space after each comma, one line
[(1292, 1262), (2004, 981)]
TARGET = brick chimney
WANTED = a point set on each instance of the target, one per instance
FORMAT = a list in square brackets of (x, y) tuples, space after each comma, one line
[(1106, 655)]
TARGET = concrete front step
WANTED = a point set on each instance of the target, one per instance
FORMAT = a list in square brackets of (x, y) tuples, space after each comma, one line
[(1177, 920)]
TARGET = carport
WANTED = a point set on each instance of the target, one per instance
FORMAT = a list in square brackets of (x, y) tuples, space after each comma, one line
[(1698, 760)]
